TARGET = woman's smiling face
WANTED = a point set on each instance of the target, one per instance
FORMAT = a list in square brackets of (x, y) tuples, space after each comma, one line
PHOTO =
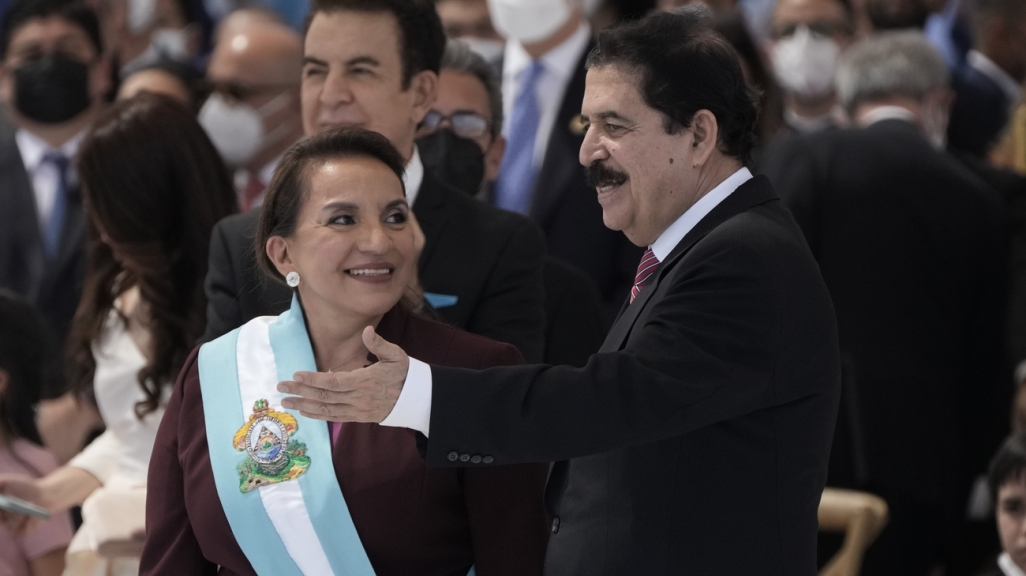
[(353, 246)]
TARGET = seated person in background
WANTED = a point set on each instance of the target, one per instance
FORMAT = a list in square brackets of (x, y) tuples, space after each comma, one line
[(1007, 483), (22, 365), (174, 80), (153, 201), (461, 144), (335, 228)]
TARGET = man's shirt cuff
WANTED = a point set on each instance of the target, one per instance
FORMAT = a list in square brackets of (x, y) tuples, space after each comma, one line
[(413, 408)]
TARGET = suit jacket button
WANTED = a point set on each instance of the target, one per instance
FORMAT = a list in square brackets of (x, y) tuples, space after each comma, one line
[(475, 459), (464, 458), (555, 525), (488, 459), (453, 456)]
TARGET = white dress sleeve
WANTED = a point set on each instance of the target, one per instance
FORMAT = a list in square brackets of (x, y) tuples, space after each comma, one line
[(100, 458)]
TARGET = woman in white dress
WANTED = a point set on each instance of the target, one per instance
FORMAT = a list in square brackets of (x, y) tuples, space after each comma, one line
[(153, 186)]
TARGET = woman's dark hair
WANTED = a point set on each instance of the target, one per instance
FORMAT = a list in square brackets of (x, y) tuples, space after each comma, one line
[(288, 188), (77, 12), (682, 66), (1008, 465), (153, 186), (422, 38), (25, 350)]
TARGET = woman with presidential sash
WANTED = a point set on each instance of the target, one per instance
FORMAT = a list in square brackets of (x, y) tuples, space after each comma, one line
[(239, 485)]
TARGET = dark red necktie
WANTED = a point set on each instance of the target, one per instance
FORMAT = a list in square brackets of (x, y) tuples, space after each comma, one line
[(648, 266), (253, 191)]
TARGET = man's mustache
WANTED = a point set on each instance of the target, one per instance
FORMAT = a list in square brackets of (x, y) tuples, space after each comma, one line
[(599, 175)]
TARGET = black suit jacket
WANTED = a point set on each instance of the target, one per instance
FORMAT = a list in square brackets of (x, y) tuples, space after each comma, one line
[(698, 436), (574, 325), (568, 211), (979, 113), (913, 249), (490, 259), (52, 285)]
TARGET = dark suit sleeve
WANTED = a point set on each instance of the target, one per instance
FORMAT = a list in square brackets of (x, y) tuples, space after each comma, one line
[(224, 312), (706, 354), (512, 308), (171, 546), (504, 507)]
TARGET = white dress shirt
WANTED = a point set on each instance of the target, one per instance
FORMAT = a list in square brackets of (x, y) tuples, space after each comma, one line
[(988, 68), (413, 177), (44, 176), (413, 407), (560, 63), (881, 113), (1008, 565)]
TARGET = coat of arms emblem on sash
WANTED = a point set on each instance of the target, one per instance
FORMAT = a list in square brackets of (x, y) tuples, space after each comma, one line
[(272, 455)]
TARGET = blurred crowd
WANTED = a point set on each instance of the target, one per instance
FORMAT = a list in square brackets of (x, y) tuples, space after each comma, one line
[(138, 139)]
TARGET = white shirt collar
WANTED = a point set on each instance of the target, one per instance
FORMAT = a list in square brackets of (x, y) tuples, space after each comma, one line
[(561, 61), (881, 113), (413, 177), (807, 125), (676, 232), (33, 148), (988, 68), (1008, 565)]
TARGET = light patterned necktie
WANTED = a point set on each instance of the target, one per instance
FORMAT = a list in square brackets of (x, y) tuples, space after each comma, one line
[(648, 266), (516, 177)]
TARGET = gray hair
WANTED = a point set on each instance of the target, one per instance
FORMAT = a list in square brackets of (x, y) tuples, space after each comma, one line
[(889, 64), (459, 58)]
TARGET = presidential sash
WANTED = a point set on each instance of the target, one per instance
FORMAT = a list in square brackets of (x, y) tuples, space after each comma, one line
[(272, 467)]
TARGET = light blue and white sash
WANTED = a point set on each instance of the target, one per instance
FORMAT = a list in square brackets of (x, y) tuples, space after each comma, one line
[(298, 526)]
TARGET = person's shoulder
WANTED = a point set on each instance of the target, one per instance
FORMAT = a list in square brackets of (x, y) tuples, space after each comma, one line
[(436, 343), (242, 224), (25, 457), (482, 213)]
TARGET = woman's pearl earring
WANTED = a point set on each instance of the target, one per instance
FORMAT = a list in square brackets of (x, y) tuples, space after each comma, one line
[(292, 279)]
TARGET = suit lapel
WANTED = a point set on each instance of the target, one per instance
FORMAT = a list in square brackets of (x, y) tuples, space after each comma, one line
[(555, 171), (20, 223), (429, 208), (752, 193)]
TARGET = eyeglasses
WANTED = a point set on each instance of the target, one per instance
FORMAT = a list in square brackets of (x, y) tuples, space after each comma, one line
[(464, 124)]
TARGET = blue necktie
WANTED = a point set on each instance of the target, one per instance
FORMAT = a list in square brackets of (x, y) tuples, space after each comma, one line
[(55, 223), (516, 177)]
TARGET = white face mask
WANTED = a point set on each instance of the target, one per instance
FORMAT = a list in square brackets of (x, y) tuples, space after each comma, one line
[(490, 50), (171, 43), (237, 131), (529, 21), (804, 63)]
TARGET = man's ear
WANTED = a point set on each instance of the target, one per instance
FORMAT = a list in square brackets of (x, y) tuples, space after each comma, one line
[(706, 133), (493, 158), (277, 249), (424, 90)]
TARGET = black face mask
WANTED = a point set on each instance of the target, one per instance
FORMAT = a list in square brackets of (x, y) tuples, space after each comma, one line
[(456, 161), (51, 89)]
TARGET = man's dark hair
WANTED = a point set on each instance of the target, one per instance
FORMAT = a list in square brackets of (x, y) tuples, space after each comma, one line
[(422, 40), (74, 11), (288, 189), (682, 66), (1008, 465)]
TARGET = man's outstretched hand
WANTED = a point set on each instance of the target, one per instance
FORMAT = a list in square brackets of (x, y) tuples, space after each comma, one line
[(364, 395)]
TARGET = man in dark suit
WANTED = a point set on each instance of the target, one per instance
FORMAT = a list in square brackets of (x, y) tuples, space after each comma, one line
[(696, 441), (988, 83), (542, 87), (52, 79), (913, 249), (480, 267)]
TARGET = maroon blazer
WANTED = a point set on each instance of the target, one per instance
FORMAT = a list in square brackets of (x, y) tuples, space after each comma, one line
[(412, 520)]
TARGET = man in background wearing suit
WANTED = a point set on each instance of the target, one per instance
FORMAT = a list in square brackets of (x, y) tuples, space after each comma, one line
[(460, 143), (374, 64), (52, 79), (696, 441), (913, 249), (542, 87)]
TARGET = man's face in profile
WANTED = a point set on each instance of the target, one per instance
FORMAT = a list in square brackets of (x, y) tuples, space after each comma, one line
[(640, 172)]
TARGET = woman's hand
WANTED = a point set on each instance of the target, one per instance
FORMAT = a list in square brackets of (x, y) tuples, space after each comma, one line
[(25, 488)]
